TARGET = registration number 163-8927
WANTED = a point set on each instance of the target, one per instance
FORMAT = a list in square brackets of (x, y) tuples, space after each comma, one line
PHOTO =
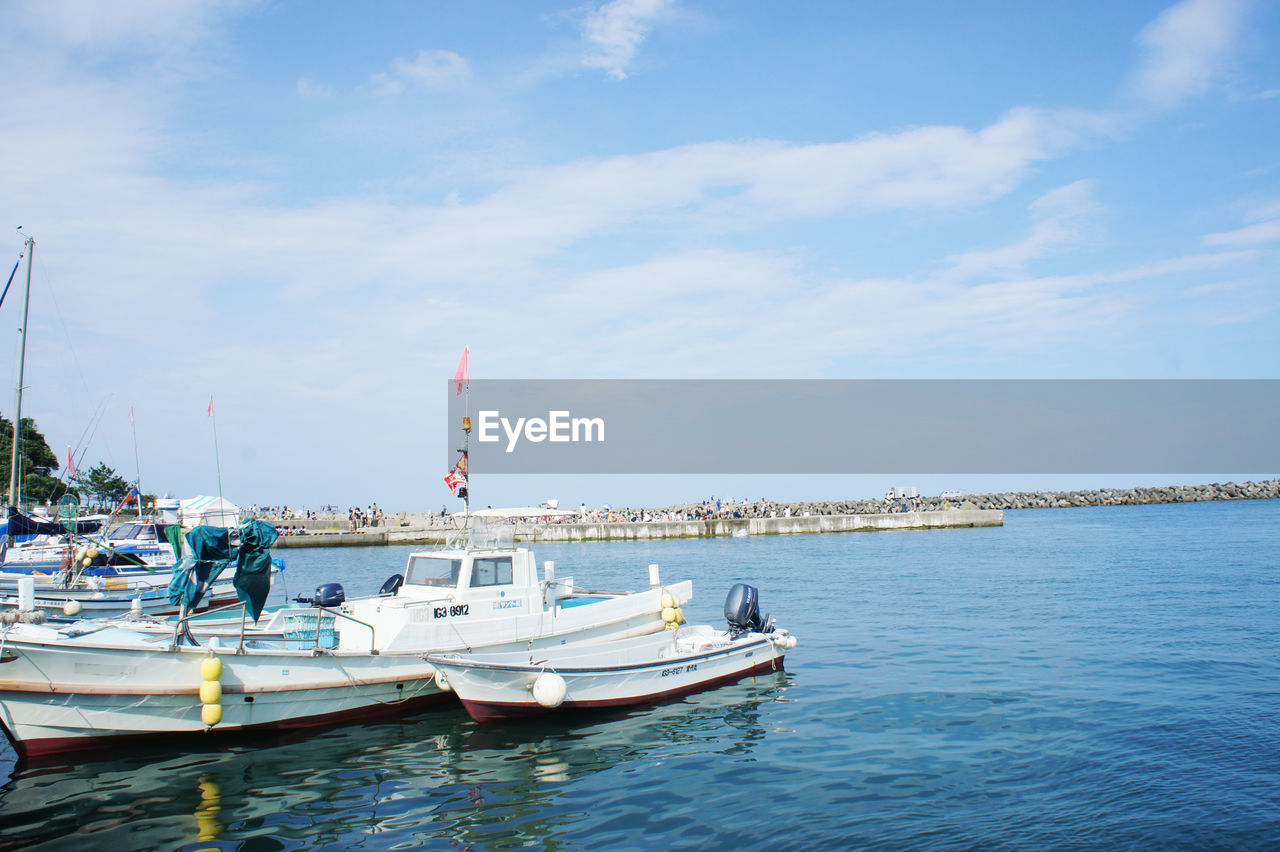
[(456, 609)]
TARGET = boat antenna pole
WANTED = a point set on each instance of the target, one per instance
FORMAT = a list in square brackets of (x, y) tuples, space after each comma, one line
[(216, 457), (137, 464), (22, 359), (466, 451)]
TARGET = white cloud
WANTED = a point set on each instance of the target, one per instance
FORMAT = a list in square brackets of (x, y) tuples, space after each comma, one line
[(615, 31), (148, 26), (431, 69), (1062, 218), (1250, 235), (310, 90), (1185, 50)]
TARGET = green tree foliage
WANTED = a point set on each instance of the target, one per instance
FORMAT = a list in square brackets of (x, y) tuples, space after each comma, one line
[(36, 461), (104, 485)]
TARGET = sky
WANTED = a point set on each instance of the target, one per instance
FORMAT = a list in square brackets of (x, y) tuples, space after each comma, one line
[(307, 209)]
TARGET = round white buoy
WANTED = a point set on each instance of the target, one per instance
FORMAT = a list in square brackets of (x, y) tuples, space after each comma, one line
[(71, 608), (135, 606), (442, 682), (549, 689)]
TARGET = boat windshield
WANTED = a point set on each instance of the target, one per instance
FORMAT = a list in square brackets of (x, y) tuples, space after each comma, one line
[(433, 571), (134, 532)]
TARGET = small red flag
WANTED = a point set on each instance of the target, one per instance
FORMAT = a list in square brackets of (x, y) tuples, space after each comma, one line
[(463, 375), (71, 463), (210, 405), (453, 479)]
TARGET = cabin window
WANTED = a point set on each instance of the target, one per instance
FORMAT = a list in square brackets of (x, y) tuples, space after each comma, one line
[(491, 571), (125, 532), (434, 572)]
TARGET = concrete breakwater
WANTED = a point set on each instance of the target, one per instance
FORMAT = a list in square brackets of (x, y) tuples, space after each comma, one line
[(785, 518), (638, 530)]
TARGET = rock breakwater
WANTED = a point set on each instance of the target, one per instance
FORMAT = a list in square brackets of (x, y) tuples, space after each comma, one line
[(1268, 489)]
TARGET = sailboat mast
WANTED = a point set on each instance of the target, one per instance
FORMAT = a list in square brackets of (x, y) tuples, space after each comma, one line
[(22, 359)]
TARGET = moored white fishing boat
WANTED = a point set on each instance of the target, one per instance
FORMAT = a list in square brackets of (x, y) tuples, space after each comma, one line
[(494, 686), (91, 684), (95, 684), (108, 597)]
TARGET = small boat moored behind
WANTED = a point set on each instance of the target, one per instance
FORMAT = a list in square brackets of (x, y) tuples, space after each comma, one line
[(639, 670)]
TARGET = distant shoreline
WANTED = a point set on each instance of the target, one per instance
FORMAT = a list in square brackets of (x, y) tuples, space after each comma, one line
[(1266, 489), (767, 518)]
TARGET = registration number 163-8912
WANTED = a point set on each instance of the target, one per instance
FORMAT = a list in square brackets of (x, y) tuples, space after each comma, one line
[(456, 609)]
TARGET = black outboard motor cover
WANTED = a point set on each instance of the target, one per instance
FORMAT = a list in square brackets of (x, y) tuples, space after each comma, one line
[(742, 609), (393, 584), (329, 594)]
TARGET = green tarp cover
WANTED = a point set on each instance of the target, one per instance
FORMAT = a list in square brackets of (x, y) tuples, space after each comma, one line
[(173, 535), (253, 573), (210, 553)]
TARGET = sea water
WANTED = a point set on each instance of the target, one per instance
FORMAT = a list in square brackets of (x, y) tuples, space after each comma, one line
[(1098, 677)]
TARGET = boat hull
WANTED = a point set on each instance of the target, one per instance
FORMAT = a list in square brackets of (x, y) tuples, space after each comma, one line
[(494, 690), (56, 698)]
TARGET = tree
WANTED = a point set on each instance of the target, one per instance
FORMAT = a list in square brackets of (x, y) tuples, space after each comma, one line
[(106, 486), (36, 461)]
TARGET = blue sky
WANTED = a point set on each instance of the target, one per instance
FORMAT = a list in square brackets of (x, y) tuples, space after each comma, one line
[(307, 209)]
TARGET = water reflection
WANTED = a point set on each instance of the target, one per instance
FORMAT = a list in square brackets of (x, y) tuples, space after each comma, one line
[(432, 777)]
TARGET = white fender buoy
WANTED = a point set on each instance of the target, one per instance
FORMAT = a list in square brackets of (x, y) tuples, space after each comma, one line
[(71, 607), (549, 689), (442, 682)]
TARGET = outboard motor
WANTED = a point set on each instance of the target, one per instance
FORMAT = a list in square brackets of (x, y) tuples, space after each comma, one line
[(393, 584), (742, 610), (329, 594)]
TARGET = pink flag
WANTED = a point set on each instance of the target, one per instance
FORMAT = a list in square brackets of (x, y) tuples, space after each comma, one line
[(463, 375), (453, 479), (211, 405), (131, 414), (71, 463)]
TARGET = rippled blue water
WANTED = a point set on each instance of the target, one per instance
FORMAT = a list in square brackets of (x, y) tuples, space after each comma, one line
[(1077, 678)]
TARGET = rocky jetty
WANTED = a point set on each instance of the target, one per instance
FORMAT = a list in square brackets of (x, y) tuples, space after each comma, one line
[(1268, 489)]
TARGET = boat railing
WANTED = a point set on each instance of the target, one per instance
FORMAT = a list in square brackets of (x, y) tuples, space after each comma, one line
[(373, 644), (182, 627)]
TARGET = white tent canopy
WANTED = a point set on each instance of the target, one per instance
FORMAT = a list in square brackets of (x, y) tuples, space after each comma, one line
[(209, 511)]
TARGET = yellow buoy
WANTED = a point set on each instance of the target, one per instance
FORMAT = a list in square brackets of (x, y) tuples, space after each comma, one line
[(86, 562), (668, 600), (211, 668), (211, 714), (92, 553), (679, 616), (210, 692), (668, 614)]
